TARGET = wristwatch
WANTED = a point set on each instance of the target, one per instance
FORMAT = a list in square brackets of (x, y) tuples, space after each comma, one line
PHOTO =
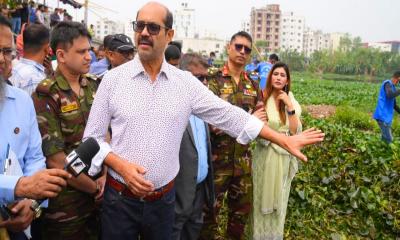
[(35, 207), (290, 113)]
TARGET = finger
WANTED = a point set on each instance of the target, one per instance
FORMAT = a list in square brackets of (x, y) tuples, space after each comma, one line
[(17, 207), (57, 181), (4, 223), (298, 154), (49, 194), (143, 185), (141, 169), (52, 188), (309, 130), (59, 173), (310, 141)]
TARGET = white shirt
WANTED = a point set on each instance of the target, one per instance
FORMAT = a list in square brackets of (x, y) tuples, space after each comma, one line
[(148, 118)]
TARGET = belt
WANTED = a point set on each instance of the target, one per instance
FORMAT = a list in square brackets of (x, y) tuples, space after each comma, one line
[(152, 196)]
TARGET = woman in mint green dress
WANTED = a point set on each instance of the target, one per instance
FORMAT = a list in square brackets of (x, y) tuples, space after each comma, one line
[(273, 167)]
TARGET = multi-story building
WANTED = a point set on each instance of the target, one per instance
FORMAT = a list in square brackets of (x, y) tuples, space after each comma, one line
[(184, 22), (128, 28), (335, 39), (245, 26), (381, 46), (265, 26), (203, 46), (104, 27), (315, 41), (292, 32)]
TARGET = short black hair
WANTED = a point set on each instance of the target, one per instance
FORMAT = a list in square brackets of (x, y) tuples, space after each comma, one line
[(273, 56), (4, 22), (242, 34), (172, 52), (396, 74), (64, 33), (35, 36), (177, 44)]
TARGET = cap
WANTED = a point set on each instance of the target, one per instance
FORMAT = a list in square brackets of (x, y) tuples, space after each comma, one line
[(120, 42)]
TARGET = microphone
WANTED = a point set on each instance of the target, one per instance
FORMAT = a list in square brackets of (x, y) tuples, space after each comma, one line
[(80, 159)]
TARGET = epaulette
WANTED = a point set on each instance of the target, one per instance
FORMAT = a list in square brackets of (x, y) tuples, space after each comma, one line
[(91, 76), (45, 85), (212, 71)]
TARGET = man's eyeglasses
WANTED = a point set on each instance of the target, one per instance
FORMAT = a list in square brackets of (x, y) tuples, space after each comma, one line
[(8, 52), (152, 28), (239, 48)]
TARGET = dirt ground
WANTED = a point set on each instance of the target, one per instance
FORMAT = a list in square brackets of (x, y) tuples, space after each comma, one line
[(320, 111)]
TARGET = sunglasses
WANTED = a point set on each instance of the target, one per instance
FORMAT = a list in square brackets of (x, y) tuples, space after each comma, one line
[(152, 28), (239, 48)]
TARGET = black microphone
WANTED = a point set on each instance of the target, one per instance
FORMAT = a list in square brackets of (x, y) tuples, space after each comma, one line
[(80, 159)]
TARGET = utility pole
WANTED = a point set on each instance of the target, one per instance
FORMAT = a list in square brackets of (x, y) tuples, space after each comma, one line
[(86, 5)]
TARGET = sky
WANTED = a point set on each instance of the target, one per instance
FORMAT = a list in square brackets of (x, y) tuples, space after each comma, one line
[(372, 20)]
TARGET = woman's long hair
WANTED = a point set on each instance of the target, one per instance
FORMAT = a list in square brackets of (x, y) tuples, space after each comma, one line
[(268, 90)]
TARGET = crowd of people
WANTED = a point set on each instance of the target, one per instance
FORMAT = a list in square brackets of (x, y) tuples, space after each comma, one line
[(174, 137)]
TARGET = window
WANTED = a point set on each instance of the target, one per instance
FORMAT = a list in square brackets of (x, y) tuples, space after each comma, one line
[(259, 15), (258, 21), (259, 29), (268, 16), (258, 35), (276, 22), (277, 15), (276, 36), (268, 29), (276, 29), (299, 21), (268, 22), (217, 45), (276, 44)]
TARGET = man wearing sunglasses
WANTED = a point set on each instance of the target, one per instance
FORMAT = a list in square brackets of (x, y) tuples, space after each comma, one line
[(147, 102), (232, 162)]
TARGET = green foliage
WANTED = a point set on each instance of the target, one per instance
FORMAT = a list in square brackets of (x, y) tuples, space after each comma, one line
[(313, 91), (350, 189), (353, 117)]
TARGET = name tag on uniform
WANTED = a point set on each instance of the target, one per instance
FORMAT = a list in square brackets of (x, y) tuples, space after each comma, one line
[(70, 107), (227, 90), (248, 92)]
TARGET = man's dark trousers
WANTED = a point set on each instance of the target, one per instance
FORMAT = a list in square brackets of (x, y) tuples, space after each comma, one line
[(125, 217)]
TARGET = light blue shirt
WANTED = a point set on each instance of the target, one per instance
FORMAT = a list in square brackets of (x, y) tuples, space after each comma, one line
[(99, 68), (200, 141), (19, 130), (27, 74)]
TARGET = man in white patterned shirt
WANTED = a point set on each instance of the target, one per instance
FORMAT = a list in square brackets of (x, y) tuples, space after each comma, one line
[(29, 71), (148, 103)]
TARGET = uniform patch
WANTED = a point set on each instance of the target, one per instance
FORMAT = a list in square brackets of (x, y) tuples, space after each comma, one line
[(70, 107), (248, 92), (226, 90)]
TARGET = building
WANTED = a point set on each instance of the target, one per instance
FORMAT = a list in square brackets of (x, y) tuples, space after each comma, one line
[(265, 26), (245, 26), (381, 46), (335, 39), (395, 46), (203, 46), (292, 32), (315, 41), (184, 22), (128, 29), (104, 27)]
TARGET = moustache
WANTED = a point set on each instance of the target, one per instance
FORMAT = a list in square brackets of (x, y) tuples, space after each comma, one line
[(145, 41)]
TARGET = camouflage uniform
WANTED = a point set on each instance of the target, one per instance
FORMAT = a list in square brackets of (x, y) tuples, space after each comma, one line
[(62, 117), (231, 160)]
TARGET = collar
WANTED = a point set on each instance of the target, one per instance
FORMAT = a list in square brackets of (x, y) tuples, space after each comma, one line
[(26, 61), (9, 91), (226, 73), (63, 82), (139, 69)]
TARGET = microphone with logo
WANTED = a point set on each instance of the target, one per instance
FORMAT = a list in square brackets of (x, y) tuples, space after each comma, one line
[(77, 162)]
